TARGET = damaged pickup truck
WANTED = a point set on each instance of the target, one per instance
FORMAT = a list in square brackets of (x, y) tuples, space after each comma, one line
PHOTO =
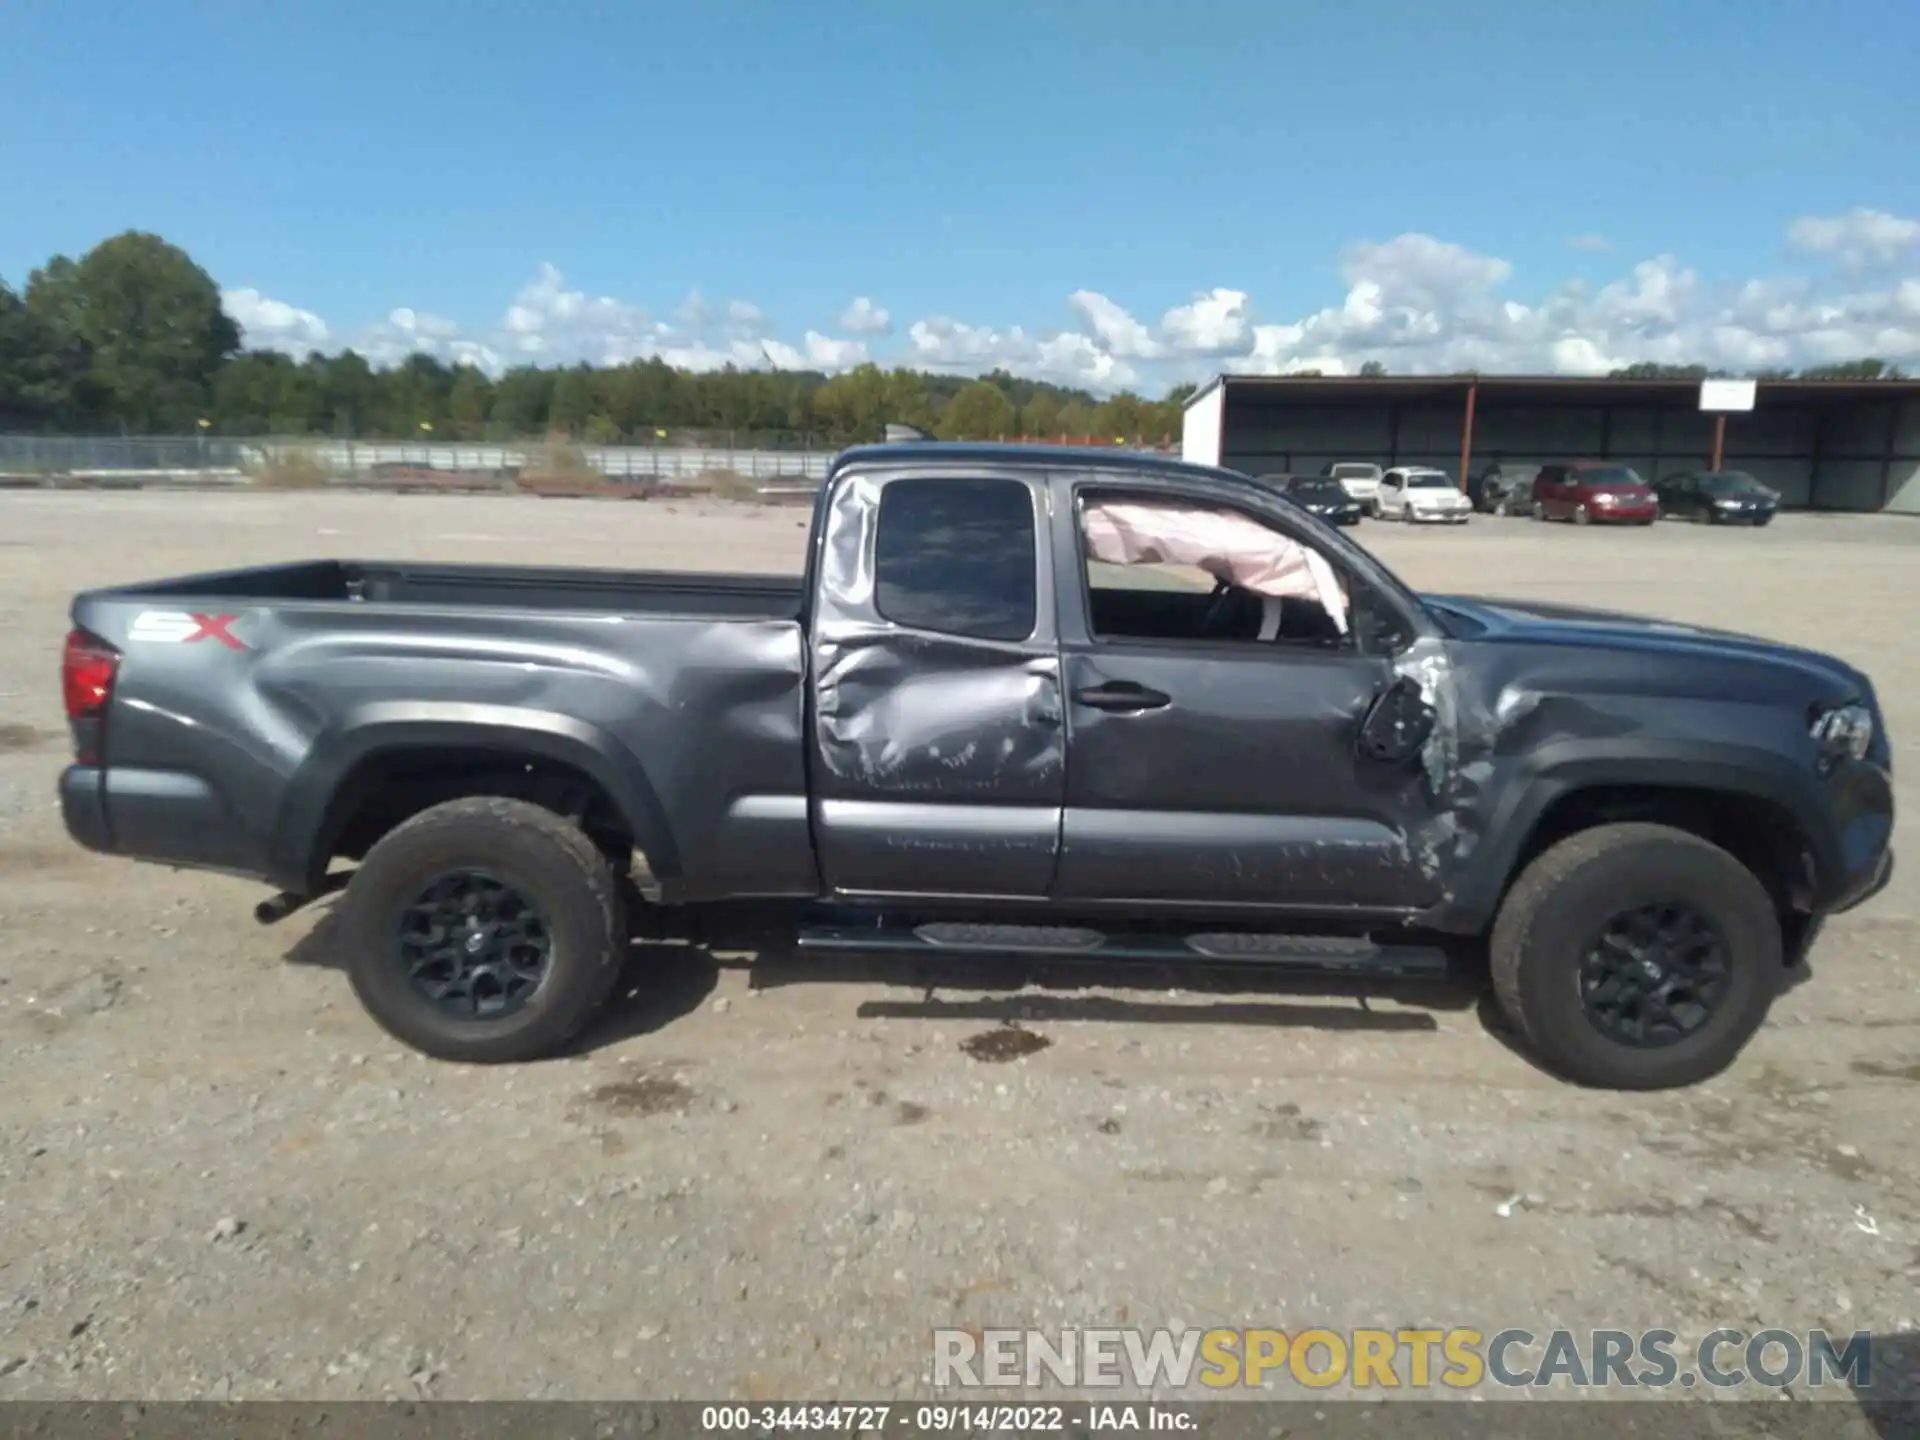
[(1029, 701)]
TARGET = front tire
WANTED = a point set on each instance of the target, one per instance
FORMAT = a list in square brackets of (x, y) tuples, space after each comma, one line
[(485, 930), (1637, 957), (1582, 515)]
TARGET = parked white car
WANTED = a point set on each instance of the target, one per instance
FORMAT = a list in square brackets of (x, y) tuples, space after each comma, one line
[(1359, 478), (1413, 493)]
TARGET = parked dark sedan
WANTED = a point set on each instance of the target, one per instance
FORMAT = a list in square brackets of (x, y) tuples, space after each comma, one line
[(1319, 495), (1720, 497), (1503, 488)]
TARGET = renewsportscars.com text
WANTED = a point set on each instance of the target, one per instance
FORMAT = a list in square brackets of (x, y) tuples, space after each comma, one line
[(1458, 1359)]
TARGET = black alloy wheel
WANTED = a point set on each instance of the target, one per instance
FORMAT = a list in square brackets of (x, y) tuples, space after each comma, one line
[(474, 945), (1655, 975)]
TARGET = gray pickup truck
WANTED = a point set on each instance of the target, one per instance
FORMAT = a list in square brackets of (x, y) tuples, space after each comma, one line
[(1031, 701)]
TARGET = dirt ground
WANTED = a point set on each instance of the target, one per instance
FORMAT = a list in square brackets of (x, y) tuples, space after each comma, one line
[(217, 1178)]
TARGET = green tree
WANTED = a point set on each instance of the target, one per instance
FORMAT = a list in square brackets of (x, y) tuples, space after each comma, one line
[(1040, 416), (1123, 417), (469, 402), (1868, 369), (574, 399), (853, 406), (1079, 419), (150, 323), (56, 313), (979, 412), (265, 393), (32, 393), (1650, 370), (351, 394), (1373, 369), (521, 400), (416, 393)]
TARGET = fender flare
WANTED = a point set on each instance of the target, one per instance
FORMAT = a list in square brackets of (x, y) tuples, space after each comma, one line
[(303, 833), (1560, 770)]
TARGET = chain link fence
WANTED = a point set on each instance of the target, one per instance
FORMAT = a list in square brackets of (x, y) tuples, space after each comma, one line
[(677, 458), (211, 459)]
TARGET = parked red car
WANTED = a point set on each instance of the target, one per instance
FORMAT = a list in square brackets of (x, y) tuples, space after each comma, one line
[(1594, 492)]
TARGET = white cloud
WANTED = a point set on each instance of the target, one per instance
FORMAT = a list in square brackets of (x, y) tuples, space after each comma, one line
[(747, 319), (1214, 322), (1117, 332), (863, 317), (819, 352), (1857, 239), (1070, 358), (267, 324), (1414, 303), (414, 322)]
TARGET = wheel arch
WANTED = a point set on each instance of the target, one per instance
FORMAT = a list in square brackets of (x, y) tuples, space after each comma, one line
[(380, 768), (1755, 807)]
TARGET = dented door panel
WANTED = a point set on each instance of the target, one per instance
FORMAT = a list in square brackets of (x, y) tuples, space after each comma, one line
[(938, 759)]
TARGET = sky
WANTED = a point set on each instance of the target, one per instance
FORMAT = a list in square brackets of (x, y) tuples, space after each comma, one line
[(1109, 193)]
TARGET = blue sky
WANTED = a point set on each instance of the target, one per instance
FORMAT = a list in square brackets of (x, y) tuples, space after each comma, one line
[(1385, 179)]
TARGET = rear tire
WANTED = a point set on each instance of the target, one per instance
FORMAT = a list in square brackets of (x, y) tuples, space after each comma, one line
[(520, 849), (1547, 947)]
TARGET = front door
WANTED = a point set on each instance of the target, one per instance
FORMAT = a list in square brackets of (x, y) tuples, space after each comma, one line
[(1212, 755), (938, 760)]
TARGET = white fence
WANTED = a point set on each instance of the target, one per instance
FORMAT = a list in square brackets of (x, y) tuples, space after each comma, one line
[(104, 457)]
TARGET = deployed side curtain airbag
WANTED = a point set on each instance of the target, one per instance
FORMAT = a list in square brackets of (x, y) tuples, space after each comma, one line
[(1226, 545)]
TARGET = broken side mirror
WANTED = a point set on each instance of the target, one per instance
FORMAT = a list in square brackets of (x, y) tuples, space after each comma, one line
[(1397, 724)]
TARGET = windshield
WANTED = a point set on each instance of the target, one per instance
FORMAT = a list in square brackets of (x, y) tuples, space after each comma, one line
[(1731, 482), (1317, 490), (1432, 480), (1618, 478), (1356, 472)]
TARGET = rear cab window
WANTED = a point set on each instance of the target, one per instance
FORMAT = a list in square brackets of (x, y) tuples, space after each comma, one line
[(957, 556)]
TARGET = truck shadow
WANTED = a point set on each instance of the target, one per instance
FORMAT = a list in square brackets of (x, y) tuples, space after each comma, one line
[(1889, 1395), (660, 982), (669, 977)]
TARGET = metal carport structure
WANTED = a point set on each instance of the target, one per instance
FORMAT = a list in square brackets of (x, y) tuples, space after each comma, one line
[(1823, 444)]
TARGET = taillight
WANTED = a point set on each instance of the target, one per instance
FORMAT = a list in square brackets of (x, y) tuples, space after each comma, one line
[(87, 669)]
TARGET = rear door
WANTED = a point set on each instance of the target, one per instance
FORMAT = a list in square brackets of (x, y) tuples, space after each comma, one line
[(1389, 498), (1212, 757), (938, 747)]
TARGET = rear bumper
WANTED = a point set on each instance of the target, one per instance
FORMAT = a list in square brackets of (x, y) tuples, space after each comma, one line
[(83, 806), (164, 816)]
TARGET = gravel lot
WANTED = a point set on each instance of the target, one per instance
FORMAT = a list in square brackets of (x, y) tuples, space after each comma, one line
[(217, 1178)]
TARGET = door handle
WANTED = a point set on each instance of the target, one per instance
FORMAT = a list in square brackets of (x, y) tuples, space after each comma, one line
[(1121, 697)]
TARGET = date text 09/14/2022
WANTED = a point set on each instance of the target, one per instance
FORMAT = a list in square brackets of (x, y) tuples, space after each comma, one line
[(943, 1419)]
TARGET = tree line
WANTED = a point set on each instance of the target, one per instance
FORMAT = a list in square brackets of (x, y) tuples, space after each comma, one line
[(131, 338)]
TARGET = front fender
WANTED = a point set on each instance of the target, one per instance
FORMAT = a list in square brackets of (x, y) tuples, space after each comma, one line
[(307, 825), (1559, 770)]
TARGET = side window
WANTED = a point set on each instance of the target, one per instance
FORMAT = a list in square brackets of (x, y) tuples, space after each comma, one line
[(957, 556), (1187, 571)]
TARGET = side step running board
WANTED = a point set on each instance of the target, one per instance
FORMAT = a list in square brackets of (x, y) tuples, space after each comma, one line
[(1326, 953)]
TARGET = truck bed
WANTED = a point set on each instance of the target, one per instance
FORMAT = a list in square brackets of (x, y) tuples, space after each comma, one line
[(521, 587)]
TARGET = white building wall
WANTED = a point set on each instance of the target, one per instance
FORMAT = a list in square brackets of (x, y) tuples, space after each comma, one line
[(1200, 425)]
